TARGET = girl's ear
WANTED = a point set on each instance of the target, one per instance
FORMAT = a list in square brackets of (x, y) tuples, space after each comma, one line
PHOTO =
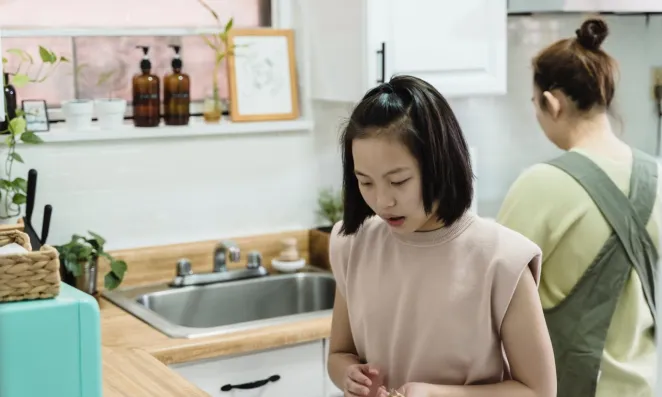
[(553, 104)]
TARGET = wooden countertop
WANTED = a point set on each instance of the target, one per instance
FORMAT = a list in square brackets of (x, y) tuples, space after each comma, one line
[(135, 355)]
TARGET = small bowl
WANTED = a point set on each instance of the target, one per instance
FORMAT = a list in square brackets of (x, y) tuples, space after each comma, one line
[(288, 266)]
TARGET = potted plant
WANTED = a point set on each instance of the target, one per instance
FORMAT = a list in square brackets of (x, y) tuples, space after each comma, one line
[(110, 110), (80, 263), (330, 209), (78, 112), (219, 43), (13, 190)]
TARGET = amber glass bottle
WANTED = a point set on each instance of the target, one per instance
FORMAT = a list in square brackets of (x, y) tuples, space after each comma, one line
[(10, 104), (176, 93), (146, 94)]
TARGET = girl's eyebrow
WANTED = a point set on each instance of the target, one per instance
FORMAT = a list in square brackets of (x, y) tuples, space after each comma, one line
[(393, 171)]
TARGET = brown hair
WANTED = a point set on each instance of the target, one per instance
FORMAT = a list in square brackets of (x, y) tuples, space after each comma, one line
[(578, 67)]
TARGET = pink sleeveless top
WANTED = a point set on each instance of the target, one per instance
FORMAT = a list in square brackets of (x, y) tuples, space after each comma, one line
[(428, 306)]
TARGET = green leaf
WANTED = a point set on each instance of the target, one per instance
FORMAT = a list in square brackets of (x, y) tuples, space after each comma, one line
[(209, 43), (17, 125), (20, 53), (119, 268), (46, 55), (105, 76), (5, 184), (19, 198), (20, 184), (4, 60), (228, 25), (111, 281), (100, 240), (17, 157), (64, 59), (220, 57), (20, 113), (20, 80), (31, 138)]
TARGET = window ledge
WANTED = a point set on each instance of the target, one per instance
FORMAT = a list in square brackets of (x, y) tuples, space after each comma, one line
[(60, 133)]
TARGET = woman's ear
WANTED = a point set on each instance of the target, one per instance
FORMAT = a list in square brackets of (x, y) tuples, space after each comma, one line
[(553, 104)]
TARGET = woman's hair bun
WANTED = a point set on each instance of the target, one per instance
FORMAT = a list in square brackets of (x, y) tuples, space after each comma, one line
[(592, 33)]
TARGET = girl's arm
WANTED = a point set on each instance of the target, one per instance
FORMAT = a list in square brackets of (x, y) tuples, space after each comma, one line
[(342, 352), (528, 348)]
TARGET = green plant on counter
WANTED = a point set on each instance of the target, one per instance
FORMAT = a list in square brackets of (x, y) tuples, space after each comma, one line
[(220, 44), (330, 206), (81, 250), (13, 190)]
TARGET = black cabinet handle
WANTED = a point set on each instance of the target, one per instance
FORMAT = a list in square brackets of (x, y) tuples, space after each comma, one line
[(252, 385), (382, 52)]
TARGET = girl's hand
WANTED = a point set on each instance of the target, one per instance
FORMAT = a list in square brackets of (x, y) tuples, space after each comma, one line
[(408, 390), (362, 380)]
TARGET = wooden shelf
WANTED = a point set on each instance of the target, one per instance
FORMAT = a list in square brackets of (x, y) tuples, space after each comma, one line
[(196, 128)]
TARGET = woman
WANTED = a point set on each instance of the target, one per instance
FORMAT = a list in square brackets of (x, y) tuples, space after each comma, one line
[(593, 213), (429, 296)]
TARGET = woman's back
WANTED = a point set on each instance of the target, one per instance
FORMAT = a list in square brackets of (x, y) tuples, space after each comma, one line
[(550, 207)]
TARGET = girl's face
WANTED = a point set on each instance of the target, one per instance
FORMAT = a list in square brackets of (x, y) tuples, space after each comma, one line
[(390, 182)]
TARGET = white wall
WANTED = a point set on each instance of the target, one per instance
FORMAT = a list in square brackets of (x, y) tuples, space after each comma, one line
[(149, 192)]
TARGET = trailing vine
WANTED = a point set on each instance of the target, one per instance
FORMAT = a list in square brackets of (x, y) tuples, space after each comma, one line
[(13, 190)]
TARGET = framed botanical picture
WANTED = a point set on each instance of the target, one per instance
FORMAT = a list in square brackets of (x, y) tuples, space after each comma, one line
[(262, 74), (36, 115)]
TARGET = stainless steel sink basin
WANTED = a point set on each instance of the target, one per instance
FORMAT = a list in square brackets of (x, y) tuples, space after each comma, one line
[(220, 308)]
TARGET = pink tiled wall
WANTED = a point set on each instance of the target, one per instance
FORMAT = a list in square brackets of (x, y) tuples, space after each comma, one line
[(98, 55)]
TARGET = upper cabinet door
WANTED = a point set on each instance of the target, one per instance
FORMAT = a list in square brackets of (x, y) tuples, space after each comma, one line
[(460, 47)]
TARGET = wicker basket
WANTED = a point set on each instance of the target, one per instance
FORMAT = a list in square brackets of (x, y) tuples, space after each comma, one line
[(35, 275)]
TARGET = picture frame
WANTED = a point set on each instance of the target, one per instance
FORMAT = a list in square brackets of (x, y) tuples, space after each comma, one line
[(36, 115), (262, 75)]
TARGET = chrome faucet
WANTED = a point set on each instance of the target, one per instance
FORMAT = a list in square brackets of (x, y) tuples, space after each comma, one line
[(223, 251)]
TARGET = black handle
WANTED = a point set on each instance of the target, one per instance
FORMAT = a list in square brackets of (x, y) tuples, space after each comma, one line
[(382, 52), (251, 385), (31, 193), (48, 211)]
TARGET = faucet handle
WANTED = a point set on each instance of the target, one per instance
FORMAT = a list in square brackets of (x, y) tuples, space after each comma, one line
[(184, 267), (234, 253), (254, 260)]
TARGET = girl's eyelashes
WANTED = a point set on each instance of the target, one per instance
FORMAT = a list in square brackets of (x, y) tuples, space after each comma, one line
[(400, 183), (362, 183)]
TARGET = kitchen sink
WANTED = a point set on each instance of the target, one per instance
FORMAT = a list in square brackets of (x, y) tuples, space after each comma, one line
[(213, 309)]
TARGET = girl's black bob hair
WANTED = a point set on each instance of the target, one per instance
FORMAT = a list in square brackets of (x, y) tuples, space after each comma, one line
[(414, 112)]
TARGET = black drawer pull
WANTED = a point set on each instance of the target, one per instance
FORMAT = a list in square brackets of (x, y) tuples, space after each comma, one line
[(251, 385)]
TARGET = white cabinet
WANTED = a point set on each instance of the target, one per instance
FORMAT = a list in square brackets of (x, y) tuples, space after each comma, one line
[(295, 371), (458, 46)]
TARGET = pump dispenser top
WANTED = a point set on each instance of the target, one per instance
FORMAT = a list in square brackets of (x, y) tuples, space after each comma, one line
[(145, 64), (176, 60)]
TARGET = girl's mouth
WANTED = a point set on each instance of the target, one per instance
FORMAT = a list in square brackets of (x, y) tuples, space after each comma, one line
[(395, 221)]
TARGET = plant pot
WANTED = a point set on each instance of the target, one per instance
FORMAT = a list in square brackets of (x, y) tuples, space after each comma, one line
[(87, 281), (318, 247), (110, 112), (78, 114)]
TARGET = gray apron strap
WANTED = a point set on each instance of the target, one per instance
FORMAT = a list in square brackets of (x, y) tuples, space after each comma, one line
[(628, 221)]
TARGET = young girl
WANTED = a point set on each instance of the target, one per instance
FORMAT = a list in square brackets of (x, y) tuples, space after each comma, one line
[(431, 300), (595, 214)]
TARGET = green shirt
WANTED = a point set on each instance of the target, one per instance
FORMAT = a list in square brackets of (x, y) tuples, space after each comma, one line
[(549, 207)]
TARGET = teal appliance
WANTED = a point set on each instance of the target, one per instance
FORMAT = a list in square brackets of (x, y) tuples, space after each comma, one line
[(51, 347)]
